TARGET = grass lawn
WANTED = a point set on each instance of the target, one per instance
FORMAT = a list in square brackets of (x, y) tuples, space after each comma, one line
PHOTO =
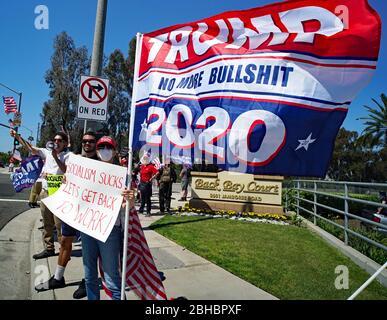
[(287, 261)]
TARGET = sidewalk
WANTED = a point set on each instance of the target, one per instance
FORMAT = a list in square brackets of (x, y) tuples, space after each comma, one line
[(186, 273)]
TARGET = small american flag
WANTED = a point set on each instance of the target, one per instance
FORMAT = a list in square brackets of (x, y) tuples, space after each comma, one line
[(157, 163), (9, 104), (141, 273)]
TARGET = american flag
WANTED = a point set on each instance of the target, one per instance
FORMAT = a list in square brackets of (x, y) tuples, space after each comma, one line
[(157, 163), (141, 273), (9, 104)]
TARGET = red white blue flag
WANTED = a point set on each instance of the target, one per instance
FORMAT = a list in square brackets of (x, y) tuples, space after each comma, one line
[(9, 105), (262, 91), (141, 273)]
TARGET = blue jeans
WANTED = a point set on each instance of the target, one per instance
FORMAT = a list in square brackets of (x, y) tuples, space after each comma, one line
[(109, 252)]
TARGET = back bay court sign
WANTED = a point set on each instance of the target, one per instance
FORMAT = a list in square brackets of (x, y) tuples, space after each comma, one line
[(237, 191), (93, 98)]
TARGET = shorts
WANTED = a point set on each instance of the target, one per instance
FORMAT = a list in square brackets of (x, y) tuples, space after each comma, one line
[(68, 231)]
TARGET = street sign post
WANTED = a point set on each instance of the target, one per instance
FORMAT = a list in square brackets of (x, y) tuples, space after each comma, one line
[(93, 98)]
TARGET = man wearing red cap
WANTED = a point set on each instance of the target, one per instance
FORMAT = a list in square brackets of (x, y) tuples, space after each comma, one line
[(147, 173)]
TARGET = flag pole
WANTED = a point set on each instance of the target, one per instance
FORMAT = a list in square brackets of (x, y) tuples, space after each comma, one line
[(130, 159)]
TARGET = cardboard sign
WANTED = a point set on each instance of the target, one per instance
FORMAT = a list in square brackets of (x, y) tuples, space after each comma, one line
[(90, 200), (54, 181)]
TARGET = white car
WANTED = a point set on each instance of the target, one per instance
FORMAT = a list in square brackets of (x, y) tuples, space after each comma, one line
[(380, 218)]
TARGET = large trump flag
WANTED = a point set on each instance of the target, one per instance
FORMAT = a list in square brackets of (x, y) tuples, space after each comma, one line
[(262, 91)]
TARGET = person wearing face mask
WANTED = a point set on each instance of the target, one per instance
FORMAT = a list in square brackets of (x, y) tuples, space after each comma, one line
[(108, 252), (89, 141), (54, 163), (147, 173)]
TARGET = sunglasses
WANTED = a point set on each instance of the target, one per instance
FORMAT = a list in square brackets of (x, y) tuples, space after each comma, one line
[(88, 141), (59, 140)]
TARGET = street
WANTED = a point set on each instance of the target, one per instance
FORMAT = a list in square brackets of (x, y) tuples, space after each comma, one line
[(11, 203), (14, 245)]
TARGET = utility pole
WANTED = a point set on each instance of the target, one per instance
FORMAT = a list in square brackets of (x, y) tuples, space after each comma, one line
[(37, 134), (98, 44)]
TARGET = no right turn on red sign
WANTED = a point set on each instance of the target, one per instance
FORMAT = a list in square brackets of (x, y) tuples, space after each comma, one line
[(93, 98)]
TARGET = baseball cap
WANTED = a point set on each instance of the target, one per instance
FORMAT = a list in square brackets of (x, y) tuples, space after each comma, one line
[(106, 140)]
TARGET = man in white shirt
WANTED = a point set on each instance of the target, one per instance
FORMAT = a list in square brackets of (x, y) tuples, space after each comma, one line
[(55, 163)]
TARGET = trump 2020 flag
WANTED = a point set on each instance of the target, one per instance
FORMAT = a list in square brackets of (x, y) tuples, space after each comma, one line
[(262, 91), (27, 174)]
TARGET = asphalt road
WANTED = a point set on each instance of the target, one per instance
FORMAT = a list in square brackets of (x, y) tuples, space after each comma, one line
[(11, 203)]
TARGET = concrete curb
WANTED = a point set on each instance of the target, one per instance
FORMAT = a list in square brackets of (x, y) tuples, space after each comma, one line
[(367, 264)]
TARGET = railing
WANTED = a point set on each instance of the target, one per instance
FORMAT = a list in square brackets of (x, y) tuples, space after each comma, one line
[(319, 188)]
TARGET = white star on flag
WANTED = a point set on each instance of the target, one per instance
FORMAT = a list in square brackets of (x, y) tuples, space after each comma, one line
[(144, 130), (306, 142)]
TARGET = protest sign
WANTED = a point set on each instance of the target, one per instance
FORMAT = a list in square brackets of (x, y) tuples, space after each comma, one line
[(90, 199), (27, 174), (54, 181)]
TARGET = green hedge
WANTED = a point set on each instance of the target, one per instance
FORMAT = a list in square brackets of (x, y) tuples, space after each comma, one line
[(369, 250), (353, 207), (374, 253)]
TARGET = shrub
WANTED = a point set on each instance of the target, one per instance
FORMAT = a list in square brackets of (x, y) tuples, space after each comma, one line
[(369, 250), (233, 213)]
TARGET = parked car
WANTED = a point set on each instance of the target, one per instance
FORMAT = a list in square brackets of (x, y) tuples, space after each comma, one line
[(378, 215), (2, 164), (380, 218)]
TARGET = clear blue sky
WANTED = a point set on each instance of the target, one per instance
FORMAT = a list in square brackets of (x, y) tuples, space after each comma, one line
[(25, 52)]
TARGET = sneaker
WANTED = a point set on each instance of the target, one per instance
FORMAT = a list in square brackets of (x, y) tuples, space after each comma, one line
[(81, 291), (52, 283), (44, 254), (148, 214)]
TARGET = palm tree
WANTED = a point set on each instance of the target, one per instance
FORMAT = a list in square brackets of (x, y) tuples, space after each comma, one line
[(376, 121)]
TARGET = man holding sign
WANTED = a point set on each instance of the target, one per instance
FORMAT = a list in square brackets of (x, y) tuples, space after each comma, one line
[(55, 164)]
